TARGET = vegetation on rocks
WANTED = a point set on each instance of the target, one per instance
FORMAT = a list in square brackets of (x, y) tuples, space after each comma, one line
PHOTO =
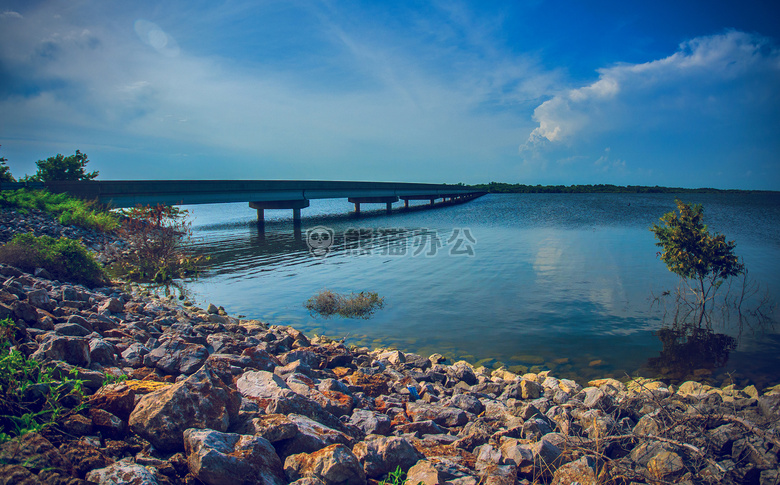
[(62, 258), (354, 305), (66, 209), (156, 236), (5, 171), (30, 397)]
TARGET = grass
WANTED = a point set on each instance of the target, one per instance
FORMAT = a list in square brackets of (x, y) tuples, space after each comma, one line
[(355, 305), (18, 414), (66, 209), (63, 258)]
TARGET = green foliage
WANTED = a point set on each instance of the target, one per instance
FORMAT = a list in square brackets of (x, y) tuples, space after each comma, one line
[(63, 258), (691, 252), (60, 167), (67, 209), (355, 305), (505, 188), (5, 171), (113, 379), (156, 235), (396, 478), (19, 414)]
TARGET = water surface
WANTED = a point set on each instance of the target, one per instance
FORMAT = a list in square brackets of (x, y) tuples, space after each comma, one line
[(533, 281)]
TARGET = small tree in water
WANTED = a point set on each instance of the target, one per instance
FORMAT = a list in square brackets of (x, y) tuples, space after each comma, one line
[(691, 252)]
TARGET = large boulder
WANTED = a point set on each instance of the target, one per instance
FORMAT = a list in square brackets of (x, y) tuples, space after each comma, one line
[(202, 400), (225, 459), (334, 465), (124, 472)]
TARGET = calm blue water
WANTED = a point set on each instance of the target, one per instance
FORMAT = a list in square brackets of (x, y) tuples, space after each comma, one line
[(554, 281)]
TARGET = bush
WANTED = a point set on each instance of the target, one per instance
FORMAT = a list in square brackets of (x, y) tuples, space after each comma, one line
[(156, 235), (63, 258), (691, 252), (354, 305), (68, 210)]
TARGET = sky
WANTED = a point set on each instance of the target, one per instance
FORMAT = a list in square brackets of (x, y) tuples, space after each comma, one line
[(683, 94)]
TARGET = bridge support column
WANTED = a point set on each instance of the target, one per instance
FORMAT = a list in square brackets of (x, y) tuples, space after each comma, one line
[(373, 200), (295, 205), (406, 203), (433, 201)]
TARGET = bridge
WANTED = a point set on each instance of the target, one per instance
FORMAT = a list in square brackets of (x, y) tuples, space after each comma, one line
[(260, 194)]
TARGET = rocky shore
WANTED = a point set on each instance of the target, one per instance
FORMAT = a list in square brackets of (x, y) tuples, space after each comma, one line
[(210, 398)]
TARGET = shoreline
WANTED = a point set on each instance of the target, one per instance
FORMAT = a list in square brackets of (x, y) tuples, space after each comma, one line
[(205, 384)]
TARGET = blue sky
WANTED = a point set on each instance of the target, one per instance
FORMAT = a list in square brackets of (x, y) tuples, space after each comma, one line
[(538, 92)]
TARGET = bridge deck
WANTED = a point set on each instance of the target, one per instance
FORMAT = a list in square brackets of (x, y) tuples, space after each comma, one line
[(129, 193)]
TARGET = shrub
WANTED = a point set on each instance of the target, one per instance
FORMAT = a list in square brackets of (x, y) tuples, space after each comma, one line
[(691, 252), (156, 235), (354, 305), (68, 210), (63, 258)]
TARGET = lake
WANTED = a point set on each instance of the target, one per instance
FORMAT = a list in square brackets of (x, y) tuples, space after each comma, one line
[(567, 282)]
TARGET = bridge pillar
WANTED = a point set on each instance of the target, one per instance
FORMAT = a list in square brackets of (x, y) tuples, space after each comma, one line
[(406, 203), (432, 201), (295, 205), (373, 200)]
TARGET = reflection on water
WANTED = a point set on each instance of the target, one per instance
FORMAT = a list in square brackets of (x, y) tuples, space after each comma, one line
[(691, 352), (553, 281)]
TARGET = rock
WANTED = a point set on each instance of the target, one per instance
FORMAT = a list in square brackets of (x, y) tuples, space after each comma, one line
[(373, 385), (334, 464), (691, 388), (124, 472), (273, 427), (663, 464), (102, 352), (34, 452), (40, 299), (311, 436), (291, 403), (176, 356), (111, 305), (17, 475), (582, 472), (134, 354), (371, 422), (444, 416), (117, 399), (467, 403), (85, 457), (420, 428), (426, 472), (202, 400), (596, 398), (382, 455), (225, 459), (261, 386), (107, 424), (73, 350), (530, 389), (646, 426), (71, 330)]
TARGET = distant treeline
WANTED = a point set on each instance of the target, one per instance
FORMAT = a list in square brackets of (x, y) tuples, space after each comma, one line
[(504, 188)]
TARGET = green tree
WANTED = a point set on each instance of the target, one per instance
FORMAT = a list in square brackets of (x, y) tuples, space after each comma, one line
[(60, 167), (5, 171), (691, 252)]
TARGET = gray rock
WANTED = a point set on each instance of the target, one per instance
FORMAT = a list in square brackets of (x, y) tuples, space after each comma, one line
[(102, 352), (134, 354), (40, 299), (226, 459), (467, 403), (71, 330), (123, 472), (382, 455), (444, 416), (73, 350), (260, 385), (111, 305), (371, 422)]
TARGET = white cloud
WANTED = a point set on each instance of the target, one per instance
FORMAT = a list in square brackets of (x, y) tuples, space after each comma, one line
[(697, 80), (10, 14)]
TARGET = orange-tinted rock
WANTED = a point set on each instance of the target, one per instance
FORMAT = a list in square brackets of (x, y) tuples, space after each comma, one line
[(373, 386), (332, 464)]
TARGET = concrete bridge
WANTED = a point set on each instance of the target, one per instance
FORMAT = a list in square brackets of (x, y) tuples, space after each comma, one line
[(260, 194)]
